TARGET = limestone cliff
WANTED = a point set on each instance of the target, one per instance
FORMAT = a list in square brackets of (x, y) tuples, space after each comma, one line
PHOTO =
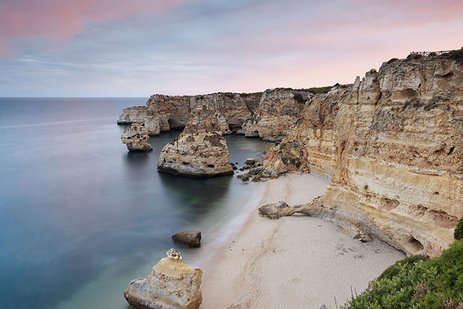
[(132, 114), (200, 150), (309, 144), (278, 110), (397, 158), (392, 144), (164, 113)]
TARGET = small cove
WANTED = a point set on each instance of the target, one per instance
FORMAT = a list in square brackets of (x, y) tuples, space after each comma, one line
[(80, 216)]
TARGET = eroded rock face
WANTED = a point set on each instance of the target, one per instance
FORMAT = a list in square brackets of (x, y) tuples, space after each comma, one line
[(132, 114), (399, 154), (309, 144), (164, 113), (199, 151), (136, 138), (278, 110), (172, 283)]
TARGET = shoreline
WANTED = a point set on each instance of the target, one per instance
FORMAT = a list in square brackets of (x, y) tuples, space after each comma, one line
[(299, 261)]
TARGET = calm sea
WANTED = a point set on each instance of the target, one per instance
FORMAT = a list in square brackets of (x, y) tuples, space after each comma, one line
[(80, 216)]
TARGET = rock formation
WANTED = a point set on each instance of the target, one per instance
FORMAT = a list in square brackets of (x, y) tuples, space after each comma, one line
[(171, 284), (200, 150), (136, 138), (164, 113), (278, 110), (309, 144), (132, 114), (392, 143), (397, 160), (190, 239)]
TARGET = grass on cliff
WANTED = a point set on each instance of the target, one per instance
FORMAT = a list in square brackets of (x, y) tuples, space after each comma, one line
[(417, 282)]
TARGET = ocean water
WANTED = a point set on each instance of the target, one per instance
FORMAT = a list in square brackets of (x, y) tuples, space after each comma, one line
[(80, 216)]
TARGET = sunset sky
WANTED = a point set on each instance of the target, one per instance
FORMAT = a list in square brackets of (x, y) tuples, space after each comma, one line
[(140, 47)]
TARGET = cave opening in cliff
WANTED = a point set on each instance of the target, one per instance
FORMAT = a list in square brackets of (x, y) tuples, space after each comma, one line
[(417, 245)]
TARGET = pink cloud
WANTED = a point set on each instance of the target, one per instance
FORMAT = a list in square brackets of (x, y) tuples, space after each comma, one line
[(60, 19)]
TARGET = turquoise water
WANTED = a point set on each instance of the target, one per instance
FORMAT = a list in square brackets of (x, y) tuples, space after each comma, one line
[(80, 216)]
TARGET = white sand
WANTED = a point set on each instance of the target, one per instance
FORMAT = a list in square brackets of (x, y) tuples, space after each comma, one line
[(293, 262)]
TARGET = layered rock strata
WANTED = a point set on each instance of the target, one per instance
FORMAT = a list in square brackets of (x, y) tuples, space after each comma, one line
[(172, 283), (278, 110), (397, 168), (164, 113), (199, 151), (136, 138), (132, 114), (399, 163), (309, 144)]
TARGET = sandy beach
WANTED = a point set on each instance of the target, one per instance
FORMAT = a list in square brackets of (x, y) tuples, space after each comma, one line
[(293, 262)]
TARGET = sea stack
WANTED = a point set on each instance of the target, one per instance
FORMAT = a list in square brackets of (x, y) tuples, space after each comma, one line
[(172, 283), (136, 138), (199, 151)]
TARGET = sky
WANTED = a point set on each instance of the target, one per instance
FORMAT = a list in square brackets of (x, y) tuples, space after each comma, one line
[(89, 48)]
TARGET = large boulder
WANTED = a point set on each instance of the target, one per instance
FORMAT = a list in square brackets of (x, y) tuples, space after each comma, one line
[(190, 239), (172, 283), (136, 138)]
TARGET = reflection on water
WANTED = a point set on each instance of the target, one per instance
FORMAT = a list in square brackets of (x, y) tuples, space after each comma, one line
[(80, 216)]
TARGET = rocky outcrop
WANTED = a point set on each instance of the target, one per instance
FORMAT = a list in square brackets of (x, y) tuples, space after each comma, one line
[(190, 239), (132, 114), (278, 110), (200, 150), (172, 283), (392, 143), (164, 113), (309, 144), (172, 112), (136, 138), (398, 169)]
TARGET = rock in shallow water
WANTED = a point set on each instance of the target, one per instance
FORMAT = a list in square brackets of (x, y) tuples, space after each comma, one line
[(172, 283), (199, 151), (191, 239), (136, 138)]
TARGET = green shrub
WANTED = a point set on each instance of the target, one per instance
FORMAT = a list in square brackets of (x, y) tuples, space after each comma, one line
[(458, 234), (393, 270), (416, 282)]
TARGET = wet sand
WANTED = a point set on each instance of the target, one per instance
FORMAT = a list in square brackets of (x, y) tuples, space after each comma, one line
[(293, 262)]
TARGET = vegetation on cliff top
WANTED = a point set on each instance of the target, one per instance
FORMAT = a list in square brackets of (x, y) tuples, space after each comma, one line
[(417, 282)]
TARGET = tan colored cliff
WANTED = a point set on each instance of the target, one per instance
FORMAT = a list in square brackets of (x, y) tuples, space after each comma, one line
[(309, 144), (133, 114), (278, 110), (164, 112), (398, 153)]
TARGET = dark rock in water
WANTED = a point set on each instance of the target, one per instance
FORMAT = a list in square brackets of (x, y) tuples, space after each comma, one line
[(245, 177), (250, 161), (190, 239), (172, 283)]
